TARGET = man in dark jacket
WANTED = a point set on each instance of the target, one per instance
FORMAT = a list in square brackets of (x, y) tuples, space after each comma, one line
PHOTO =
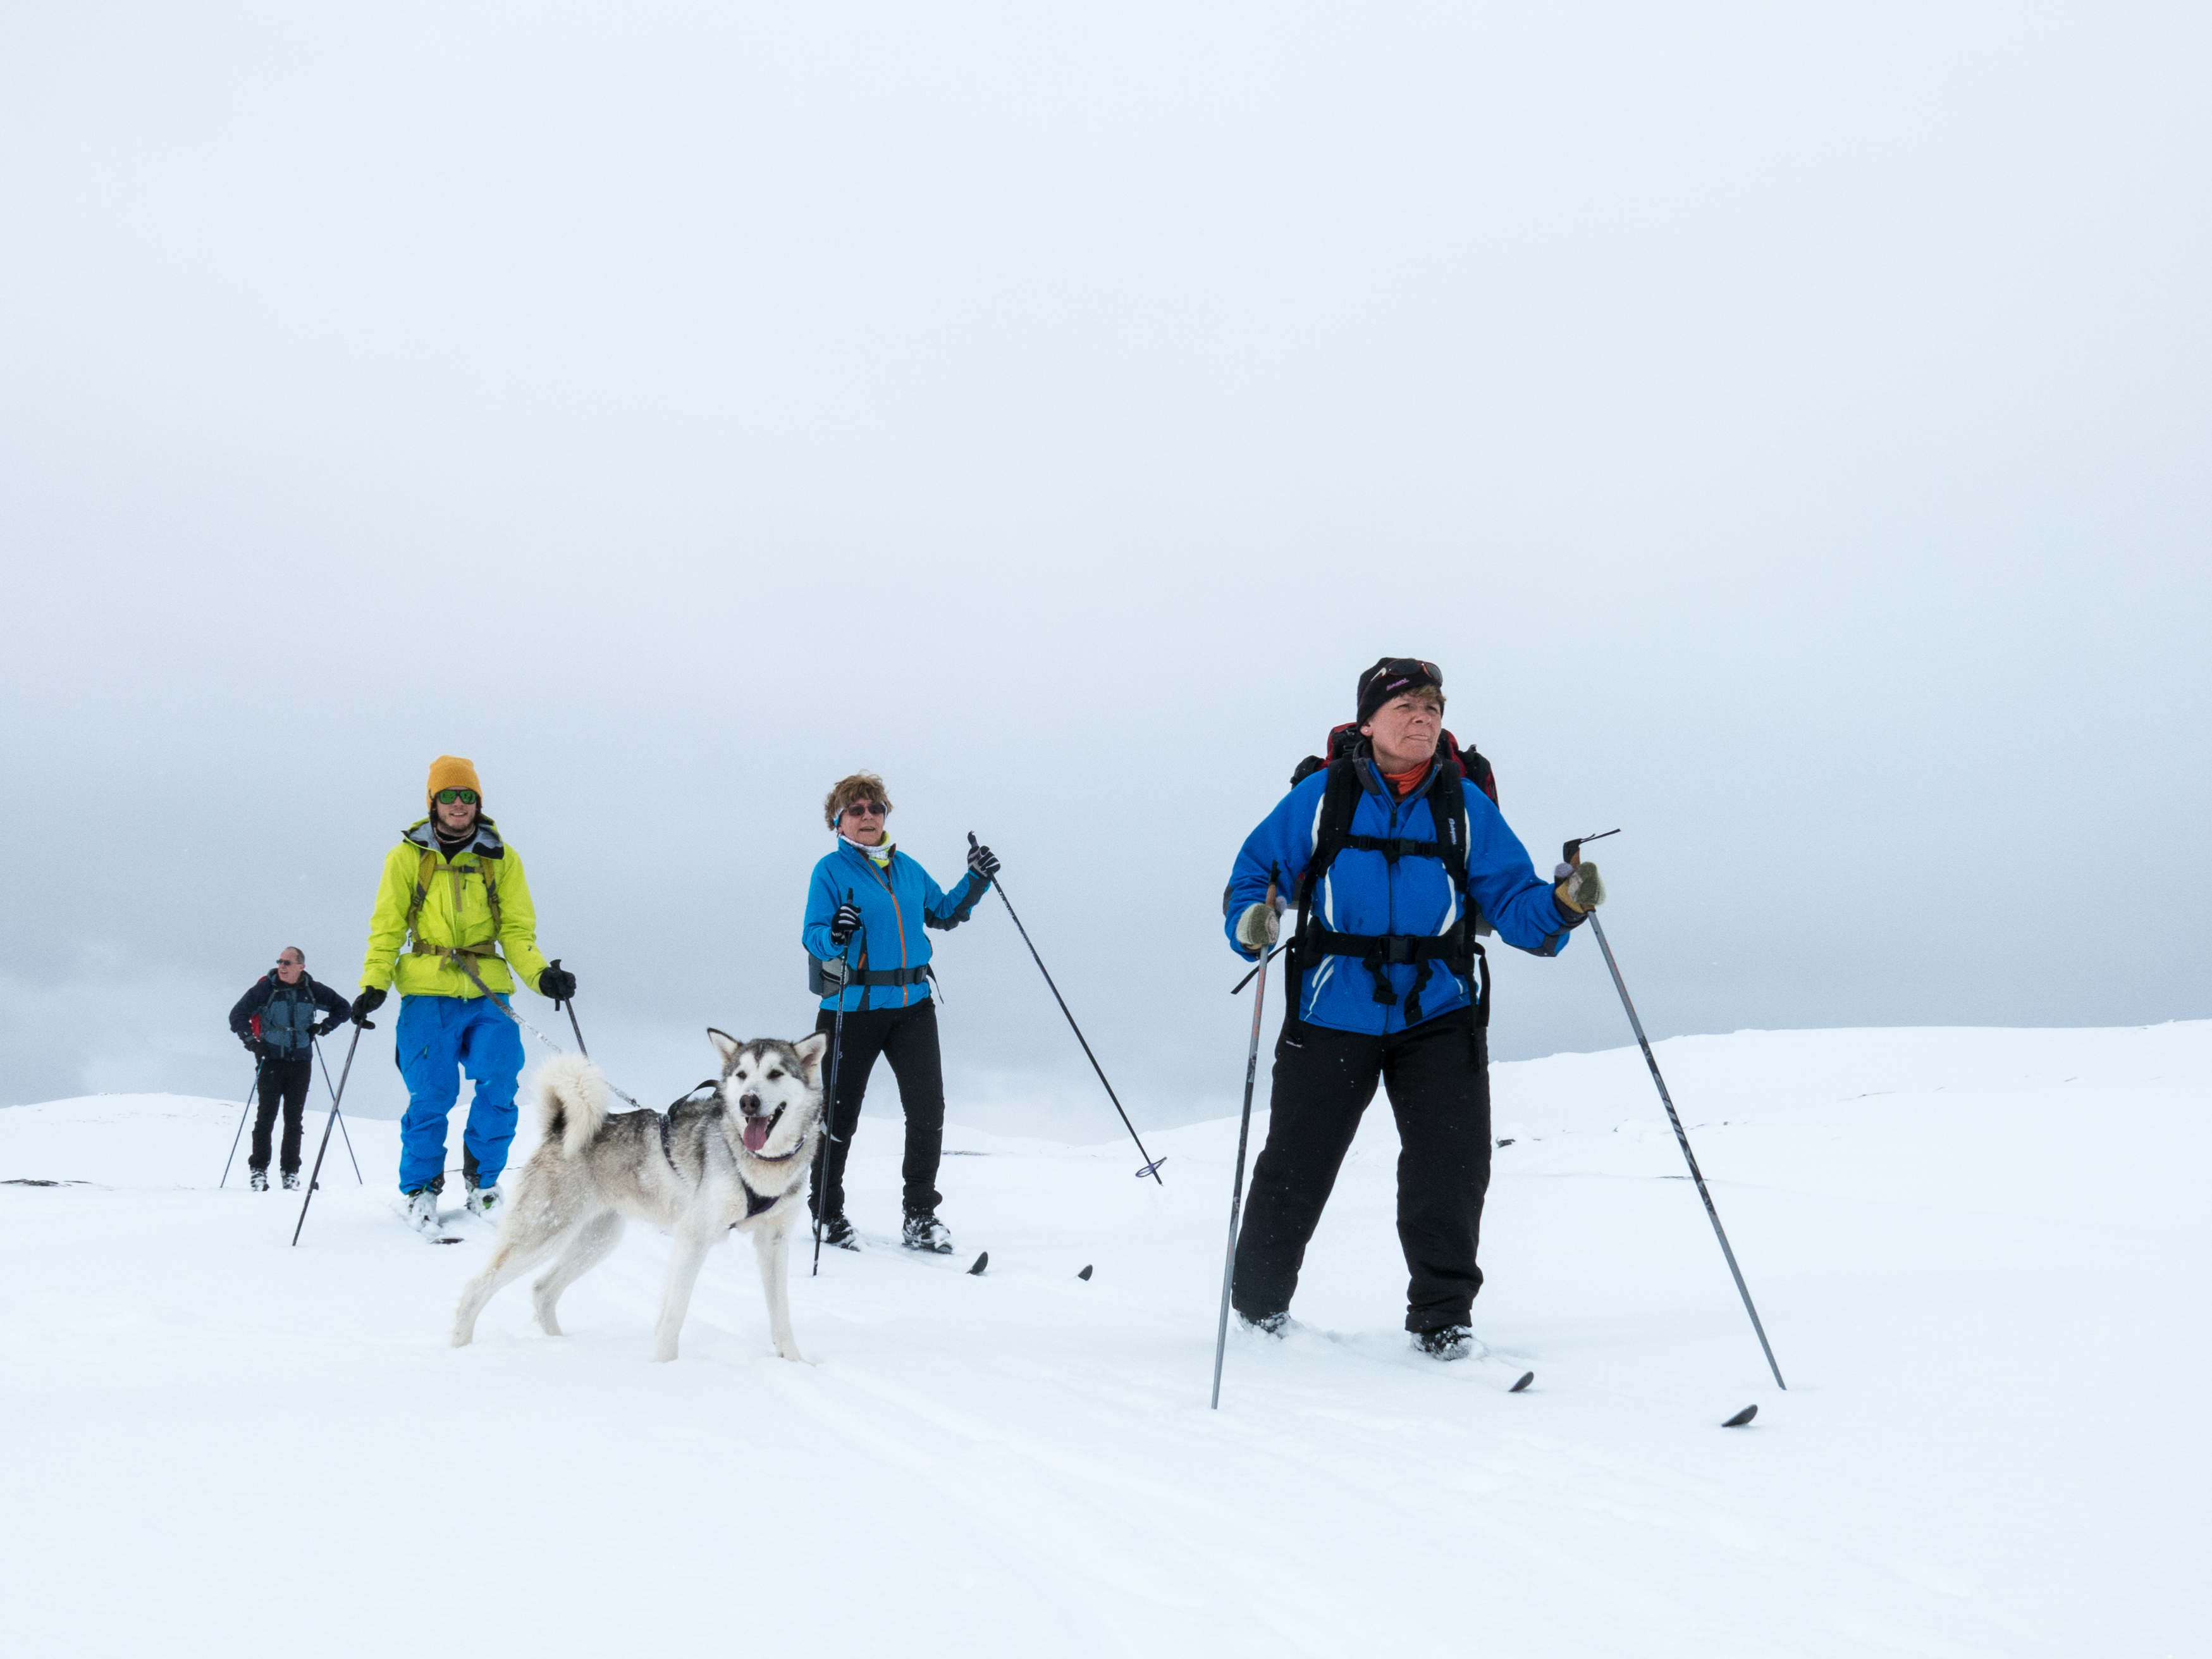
[(278, 1021), (1398, 867)]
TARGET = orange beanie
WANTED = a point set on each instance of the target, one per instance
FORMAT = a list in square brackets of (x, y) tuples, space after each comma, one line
[(451, 772)]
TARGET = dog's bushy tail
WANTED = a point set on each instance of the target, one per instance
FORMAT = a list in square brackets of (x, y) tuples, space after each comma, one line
[(571, 1101)]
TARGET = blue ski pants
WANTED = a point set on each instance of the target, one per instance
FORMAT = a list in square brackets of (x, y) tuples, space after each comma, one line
[(439, 1040)]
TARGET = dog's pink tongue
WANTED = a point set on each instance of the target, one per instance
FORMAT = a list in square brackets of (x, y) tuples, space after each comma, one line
[(756, 1133)]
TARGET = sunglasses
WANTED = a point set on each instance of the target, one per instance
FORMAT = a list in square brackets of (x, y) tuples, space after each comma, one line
[(867, 809), (447, 797), (1408, 667)]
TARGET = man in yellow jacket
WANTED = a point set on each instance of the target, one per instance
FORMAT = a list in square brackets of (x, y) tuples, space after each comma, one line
[(453, 917)]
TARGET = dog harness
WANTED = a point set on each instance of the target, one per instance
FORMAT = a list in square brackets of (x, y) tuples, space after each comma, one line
[(755, 1203)]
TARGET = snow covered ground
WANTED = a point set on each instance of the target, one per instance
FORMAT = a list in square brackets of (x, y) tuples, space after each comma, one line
[(1981, 1255)]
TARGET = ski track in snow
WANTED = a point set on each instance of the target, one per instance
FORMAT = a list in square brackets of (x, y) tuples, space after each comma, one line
[(1979, 1255)]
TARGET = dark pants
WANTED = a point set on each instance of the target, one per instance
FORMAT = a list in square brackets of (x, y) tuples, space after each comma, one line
[(284, 1081), (907, 1038), (1438, 1079)]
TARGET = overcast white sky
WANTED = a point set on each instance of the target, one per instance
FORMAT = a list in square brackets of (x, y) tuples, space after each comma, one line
[(1786, 426)]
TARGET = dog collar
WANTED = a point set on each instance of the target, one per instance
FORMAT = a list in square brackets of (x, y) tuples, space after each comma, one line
[(780, 1158)]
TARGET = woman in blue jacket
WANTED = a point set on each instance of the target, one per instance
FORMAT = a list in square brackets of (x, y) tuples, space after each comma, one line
[(867, 910), (1399, 868)]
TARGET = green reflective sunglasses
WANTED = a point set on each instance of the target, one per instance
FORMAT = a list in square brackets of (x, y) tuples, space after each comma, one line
[(447, 797)]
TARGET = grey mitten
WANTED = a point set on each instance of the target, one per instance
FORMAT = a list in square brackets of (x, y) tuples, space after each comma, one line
[(1259, 928), (1584, 889)]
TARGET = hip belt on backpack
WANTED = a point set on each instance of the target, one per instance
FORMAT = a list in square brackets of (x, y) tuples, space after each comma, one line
[(891, 976), (1377, 951), (452, 953)]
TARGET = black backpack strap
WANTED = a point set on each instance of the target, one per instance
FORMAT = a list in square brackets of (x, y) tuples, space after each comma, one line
[(1455, 947), (1339, 798), (890, 976)]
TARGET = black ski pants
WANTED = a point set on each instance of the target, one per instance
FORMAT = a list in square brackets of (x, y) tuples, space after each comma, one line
[(1438, 1075), (907, 1038), (285, 1082)]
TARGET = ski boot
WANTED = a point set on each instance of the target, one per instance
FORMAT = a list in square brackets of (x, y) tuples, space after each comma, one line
[(291, 1181), (485, 1201), (422, 1208), (924, 1232), (1445, 1342), (839, 1232), (257, 1179), (1276, 1325)]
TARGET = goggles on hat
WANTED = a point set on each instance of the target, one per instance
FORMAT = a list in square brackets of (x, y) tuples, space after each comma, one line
[(1411, 668), (447, 797)]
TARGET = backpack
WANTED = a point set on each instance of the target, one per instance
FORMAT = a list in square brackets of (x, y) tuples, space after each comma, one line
[(1344, 741), (1458, 949)]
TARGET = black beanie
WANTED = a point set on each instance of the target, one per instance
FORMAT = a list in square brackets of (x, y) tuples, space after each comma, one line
[(1394, 677)]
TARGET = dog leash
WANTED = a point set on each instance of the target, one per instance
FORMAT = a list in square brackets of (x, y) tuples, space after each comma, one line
[(460, 961)]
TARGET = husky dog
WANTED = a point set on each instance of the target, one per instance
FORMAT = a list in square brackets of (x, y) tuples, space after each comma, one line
[(730, 1154)]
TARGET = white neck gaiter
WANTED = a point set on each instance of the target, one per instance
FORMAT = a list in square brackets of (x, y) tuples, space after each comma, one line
[(881, 854)]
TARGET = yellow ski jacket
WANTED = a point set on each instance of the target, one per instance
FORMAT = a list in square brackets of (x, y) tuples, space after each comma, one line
[(432, 909)]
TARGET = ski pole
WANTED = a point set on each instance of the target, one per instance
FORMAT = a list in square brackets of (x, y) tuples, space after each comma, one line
[(836, 1050), (253, 1088), (1151, 1165), (570, 1004), (1572, 852), (308, 1197), (342, 1130), (462, 962), (1243, 1133)]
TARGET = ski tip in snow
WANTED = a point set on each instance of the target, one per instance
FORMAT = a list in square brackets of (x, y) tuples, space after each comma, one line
[(1741, 1417), (1527, 1377), (981, 1262), (1086, 1274)]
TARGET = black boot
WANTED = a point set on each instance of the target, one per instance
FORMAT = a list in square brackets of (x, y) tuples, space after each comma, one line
[(924, 1232), (839, 1232), (1445, 1342), (257, 1179)]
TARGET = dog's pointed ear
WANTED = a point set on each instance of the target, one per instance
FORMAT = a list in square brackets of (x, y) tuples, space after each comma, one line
[(810, 1051), (725, 1044)]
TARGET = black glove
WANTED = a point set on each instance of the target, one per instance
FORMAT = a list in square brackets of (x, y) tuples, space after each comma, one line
[(844, 924), (370, 1000), (982, 861), (557, 982), (327, 1026), (252, 1047)]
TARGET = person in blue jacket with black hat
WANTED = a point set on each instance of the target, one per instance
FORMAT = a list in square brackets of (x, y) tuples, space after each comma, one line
[(1397, 870), (869, 909)]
